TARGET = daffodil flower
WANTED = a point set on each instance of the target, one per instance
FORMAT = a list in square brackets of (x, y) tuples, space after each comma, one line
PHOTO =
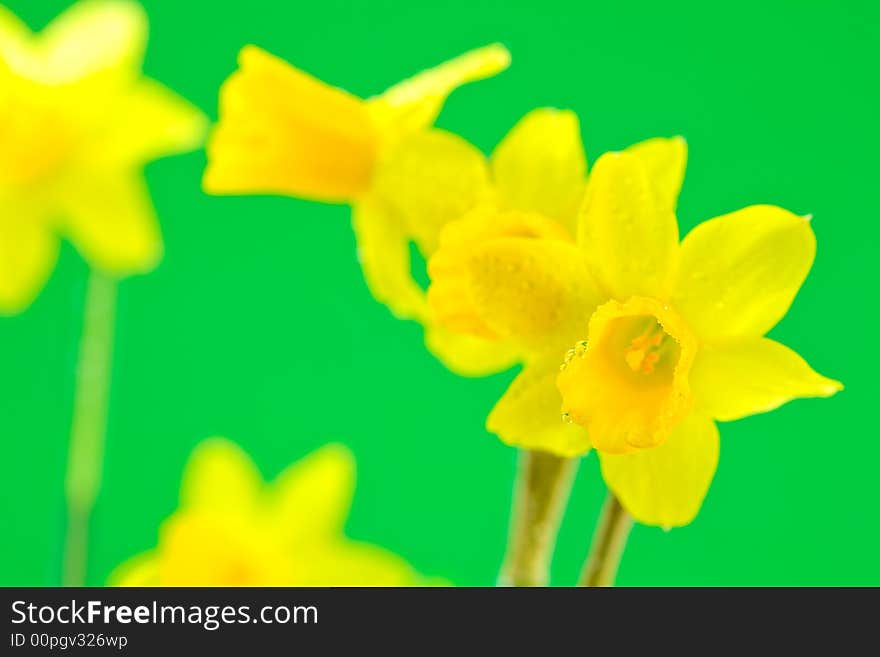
[(282, 131), (233, 529), (77, 123), (656, 339)]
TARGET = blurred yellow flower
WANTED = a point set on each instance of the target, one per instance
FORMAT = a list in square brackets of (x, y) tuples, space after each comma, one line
[(77, 123), (282, 131), (667, 337), (232, 529)]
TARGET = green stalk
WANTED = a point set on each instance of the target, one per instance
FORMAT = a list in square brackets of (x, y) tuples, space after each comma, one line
[(542, 489), (609, 542), (85, 460)]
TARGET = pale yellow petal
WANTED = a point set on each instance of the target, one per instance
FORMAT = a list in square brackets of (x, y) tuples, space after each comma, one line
[(740, 272), (630, 239), (384, 253), (15, 39), (28, 252), (429, 179), (754, 375), (665, 160), (540, 166), (469, 355), (529, 414), (148, 122), (111, 221), (220, 477), (281, 131), (95, 37), (414, 104), (311, 498), (666, 485)]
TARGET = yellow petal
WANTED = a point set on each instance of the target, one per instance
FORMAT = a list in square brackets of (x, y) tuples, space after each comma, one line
[(540, 166), (665, 160), (469, 355), (111, 221), (627, 383), (350, 563), (311, 498), (529, 414), (740, 272), (220, 477), (429, 179), (94, 37), (15, 38), (630, 239), (383, 251), (536, 292), (510, 275), (754, 375), (220, 547), (414, 104), (148, 122), (28, 252), (666, 485), (142, 570), (282, 131)]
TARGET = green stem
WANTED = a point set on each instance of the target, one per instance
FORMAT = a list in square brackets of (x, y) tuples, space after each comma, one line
[(85, 458), (609, 542), (542, 489)]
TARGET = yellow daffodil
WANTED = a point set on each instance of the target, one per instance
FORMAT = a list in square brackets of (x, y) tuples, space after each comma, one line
[(282, 131), (665, 337), (232, 529), (77, 123)]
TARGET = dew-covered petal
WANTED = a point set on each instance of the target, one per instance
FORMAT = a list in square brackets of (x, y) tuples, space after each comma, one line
[(740, 272), (629, 237), (469, 355), (540, 166), (753, 375), (529, 413), (665, 486), (511, 276), (665, 160)]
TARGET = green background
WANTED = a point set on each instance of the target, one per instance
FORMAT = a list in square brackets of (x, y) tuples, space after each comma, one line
[(258, 326)]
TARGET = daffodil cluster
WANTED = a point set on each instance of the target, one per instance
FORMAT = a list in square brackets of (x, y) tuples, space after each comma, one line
[(533, 261)]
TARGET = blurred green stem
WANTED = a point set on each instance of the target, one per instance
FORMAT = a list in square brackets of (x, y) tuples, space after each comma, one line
[(85, 458), (542, 489), (609, 542)]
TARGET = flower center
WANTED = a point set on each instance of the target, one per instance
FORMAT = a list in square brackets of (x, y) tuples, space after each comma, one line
[(34, 140), (646, 350), (628, 383)]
